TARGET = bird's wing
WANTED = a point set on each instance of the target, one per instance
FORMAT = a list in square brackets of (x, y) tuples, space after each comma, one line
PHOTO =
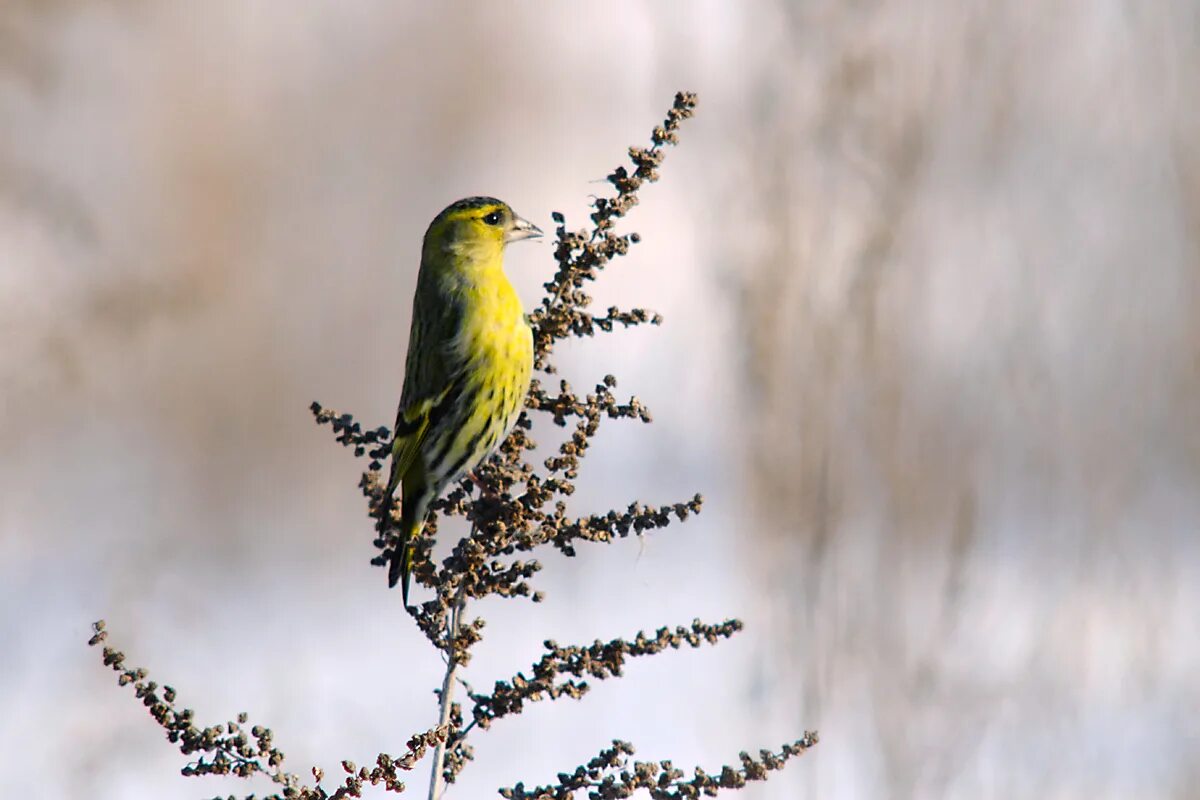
[(431, 380), (412, 423)]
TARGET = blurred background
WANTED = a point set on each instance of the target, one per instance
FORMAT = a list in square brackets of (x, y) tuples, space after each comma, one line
[(932, 354)]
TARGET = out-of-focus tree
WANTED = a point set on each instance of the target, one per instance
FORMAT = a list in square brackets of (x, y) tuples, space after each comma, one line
[(969, 302)]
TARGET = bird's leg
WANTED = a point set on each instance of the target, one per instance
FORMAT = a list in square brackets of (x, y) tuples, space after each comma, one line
[(483, 488)]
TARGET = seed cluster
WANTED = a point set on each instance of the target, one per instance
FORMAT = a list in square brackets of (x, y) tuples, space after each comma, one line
[(599, 660), (610, 776), (230, 749)]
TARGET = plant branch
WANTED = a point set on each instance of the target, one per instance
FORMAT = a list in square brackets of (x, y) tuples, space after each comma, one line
[(446, 697), (610, 776), (229, 749), (523, 507), (600, 660)]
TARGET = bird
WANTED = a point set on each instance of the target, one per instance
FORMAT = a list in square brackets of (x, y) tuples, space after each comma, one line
[(469, 363)]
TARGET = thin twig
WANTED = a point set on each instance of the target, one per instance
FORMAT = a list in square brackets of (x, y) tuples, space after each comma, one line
[(446, 700)]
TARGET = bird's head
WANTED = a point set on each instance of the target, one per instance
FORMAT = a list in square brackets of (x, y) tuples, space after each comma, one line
[(477, 228)]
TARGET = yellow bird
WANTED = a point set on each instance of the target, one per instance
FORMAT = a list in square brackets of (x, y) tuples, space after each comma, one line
[(470, 356)]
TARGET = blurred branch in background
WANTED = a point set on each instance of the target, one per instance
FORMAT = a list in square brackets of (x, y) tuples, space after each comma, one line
[(971, 338)]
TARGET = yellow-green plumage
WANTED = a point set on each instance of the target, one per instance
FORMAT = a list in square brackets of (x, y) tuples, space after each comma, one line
[(470, 356)]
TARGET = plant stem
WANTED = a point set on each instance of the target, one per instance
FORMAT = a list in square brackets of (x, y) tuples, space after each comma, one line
[(446, 700)]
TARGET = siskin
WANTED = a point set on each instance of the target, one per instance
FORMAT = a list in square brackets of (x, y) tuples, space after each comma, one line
[(470, 356)]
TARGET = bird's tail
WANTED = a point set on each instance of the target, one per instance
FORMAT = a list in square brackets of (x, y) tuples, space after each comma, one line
[(383, 521), (402, 557), (401, 561)]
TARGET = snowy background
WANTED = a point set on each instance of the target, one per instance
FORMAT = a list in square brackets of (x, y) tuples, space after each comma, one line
[(931, 280)]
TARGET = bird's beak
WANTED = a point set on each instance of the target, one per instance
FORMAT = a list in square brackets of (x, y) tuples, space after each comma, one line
[(522, 229)]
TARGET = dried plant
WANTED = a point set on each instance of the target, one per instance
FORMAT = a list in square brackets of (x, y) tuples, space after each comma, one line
[(519, 508)]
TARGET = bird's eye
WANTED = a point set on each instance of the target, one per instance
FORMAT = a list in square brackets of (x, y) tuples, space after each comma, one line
[(493, 218)]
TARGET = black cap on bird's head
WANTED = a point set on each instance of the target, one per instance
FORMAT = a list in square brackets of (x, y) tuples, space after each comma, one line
[(480, 220)]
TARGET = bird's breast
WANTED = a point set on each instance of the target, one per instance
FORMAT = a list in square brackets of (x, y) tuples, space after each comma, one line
[(495, 331)]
